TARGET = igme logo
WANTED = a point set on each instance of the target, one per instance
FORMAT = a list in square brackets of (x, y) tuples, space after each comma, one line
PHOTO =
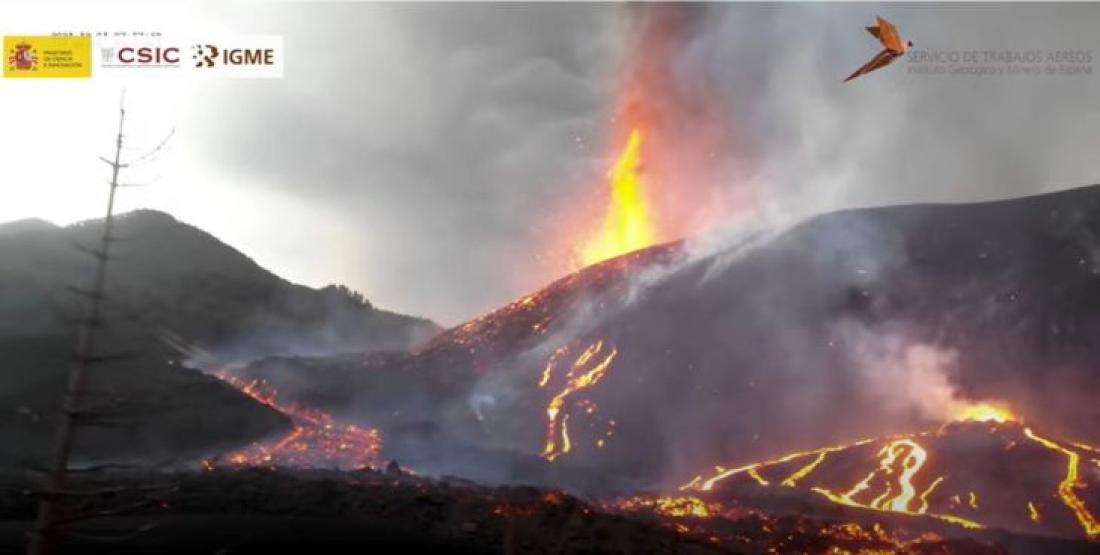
[(241, 56), (208, 55), (205, 55)]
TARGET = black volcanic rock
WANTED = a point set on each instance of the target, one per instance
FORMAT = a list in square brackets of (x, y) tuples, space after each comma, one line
[(852, 324), (170, 286), (262, 511)]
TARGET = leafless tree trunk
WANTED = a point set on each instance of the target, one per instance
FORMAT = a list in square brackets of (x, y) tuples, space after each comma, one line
[(49, 506)]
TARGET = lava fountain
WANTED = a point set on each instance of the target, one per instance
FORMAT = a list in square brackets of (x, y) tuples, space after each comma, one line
[(627, 225), (671, 173)]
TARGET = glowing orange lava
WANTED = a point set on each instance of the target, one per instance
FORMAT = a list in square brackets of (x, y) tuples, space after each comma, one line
[(670, 506), (899, 462), (627, 225), (1069, 484), (896, 482), (316, 440), (1032, 512), (586, 371), (985, 412)]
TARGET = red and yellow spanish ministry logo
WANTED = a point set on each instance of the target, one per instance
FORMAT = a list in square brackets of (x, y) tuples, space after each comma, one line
[(47, 56), (22, 58)]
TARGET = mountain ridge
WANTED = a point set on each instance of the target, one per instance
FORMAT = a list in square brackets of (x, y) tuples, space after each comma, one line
[(175, 296)]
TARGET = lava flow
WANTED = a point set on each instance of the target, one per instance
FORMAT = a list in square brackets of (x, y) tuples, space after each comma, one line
[(684, 505), (750, 531), (942, 474), (316, 440), (586, 371)]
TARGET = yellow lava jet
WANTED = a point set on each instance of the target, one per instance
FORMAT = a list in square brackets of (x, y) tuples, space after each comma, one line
[(627, 225)]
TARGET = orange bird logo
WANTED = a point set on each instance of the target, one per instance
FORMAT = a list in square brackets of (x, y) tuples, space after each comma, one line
[(893, 47)]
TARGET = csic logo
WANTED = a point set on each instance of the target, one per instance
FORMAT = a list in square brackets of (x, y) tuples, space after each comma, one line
[(22, 57), (208, 55), (141, 56)]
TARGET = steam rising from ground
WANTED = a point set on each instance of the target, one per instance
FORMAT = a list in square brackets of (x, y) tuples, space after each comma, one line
[(906, 375)]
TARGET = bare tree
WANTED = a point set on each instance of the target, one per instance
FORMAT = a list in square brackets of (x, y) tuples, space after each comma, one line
[(74, 411)]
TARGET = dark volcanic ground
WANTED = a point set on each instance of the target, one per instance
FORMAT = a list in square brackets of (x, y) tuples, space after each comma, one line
[(265, 511)]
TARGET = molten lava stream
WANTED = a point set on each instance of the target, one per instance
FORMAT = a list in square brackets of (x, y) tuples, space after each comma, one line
[(586, 371), (896, 483), (899, 461), (1068, 484), (669, 506), (316, 440)]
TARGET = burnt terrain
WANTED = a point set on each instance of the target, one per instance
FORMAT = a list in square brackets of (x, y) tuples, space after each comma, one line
[(764, 347), (261, 510)]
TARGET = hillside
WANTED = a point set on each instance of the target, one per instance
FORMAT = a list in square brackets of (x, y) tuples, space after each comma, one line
[(187, 282), (173, 291)]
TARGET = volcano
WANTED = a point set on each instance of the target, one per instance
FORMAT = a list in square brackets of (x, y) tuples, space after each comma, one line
[(643, 369)]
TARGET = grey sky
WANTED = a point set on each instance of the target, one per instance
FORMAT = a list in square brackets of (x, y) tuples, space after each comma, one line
[(422, 153)]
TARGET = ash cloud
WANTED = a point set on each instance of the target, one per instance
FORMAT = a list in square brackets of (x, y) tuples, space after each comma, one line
[(444, 134), (809, 143)]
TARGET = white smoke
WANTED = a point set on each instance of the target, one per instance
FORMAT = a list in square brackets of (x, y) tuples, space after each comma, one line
[(906, 375)]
